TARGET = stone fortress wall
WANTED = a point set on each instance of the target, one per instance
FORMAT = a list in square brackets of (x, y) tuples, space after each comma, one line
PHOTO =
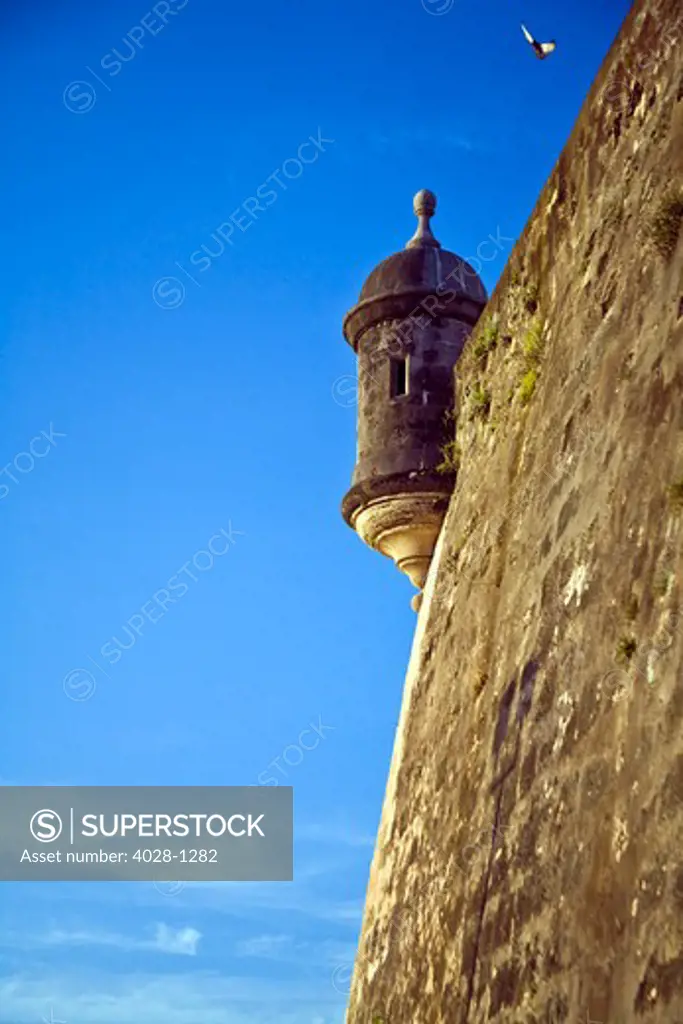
[(529, 864)]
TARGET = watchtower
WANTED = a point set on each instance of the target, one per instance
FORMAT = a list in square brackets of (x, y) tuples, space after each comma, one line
[(415, 311)]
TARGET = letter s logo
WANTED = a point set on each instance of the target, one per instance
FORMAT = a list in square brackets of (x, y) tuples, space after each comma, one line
[(46, 826)]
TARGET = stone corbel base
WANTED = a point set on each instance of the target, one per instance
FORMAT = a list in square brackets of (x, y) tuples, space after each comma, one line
[(405, 528)]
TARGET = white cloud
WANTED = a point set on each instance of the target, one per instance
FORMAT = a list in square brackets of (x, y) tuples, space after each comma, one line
[(173, 998), (183, 941), (175, 941)]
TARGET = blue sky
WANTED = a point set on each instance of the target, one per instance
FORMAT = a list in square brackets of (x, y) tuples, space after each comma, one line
[(169, 410)]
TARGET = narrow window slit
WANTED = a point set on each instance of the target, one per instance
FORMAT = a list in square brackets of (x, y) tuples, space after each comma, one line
[(399, 377)]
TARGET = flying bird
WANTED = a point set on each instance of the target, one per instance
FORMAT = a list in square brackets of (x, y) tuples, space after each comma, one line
[(540, 49)]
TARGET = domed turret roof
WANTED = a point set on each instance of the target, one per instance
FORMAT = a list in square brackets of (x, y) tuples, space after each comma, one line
[(426, 270), (396, 286)]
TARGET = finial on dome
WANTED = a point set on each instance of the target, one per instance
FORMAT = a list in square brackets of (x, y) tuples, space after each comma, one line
[(424, 205)]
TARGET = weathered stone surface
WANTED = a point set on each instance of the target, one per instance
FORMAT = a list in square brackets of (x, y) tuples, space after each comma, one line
[(529, 865), (406, 435)]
